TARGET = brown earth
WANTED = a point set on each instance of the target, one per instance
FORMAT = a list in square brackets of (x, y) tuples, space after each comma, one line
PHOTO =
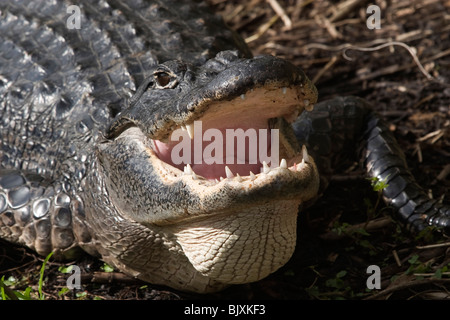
[(403, 68)]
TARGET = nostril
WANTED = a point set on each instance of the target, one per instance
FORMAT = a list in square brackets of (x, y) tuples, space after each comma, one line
[(189, 76)]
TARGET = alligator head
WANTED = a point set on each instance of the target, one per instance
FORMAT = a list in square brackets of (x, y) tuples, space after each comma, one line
[(234, 218)]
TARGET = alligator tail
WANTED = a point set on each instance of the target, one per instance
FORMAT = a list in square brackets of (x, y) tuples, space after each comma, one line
[(331, 132), (384, 160)]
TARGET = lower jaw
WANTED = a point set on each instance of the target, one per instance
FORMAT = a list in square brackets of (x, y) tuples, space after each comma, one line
[(241, 247)]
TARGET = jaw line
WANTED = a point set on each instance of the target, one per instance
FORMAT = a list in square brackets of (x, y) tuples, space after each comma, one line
[(297, 181)]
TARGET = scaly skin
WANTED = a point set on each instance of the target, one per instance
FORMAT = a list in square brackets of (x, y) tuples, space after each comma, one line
[(84, 163)]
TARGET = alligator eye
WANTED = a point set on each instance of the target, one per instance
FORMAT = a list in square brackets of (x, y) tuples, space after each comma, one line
[(163, 79)]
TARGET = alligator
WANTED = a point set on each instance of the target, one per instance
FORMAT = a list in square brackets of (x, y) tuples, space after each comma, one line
[(91, 96)]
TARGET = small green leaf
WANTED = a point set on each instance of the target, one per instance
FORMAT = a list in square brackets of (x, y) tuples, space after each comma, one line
[(41, 276), (65, 269), (10, 281), (377, 184), (438, 274), (107, 268), (24, 295), (63, 291), (413, 259), (313, 291), (362, 231)]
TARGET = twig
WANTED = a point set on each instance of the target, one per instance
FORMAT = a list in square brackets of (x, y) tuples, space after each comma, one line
[(369, 226), (436, 245), (298, 9), (438, 56), (344, 9), (438, 133), (262, 29), (384, 43), (430, 274), (443, 174), (341, 46), (322, 20), (393, 43), (324, 69), (234, 13), (281, 13), (397, 259), (406, 285), (108, 277), (418, 151), (427, 98)]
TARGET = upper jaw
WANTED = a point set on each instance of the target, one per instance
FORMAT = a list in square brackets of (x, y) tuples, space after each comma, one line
[(243, 75), (159, 112)]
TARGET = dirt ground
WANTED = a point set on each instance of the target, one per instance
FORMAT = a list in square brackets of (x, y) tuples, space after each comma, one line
[(403, 68)]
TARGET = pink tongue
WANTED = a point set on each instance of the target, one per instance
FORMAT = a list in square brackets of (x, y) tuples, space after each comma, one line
[(215, 170)]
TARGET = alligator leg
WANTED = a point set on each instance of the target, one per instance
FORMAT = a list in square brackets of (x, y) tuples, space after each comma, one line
[(38, 214), (336, 125)]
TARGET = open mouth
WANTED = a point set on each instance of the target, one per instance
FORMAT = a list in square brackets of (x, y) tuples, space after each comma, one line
[(165, 149), (239, 139), (223, 142)]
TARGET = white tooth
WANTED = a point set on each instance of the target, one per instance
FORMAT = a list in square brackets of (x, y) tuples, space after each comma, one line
[(266, 168), (194, 176), (252, 176), (243, 96), (221, 178), (300, 165), (190, 130), (217, 181), (308, 106), (305, 154), (228, 172), (188, 169), (283, 164), (238, 177), (284, 90)]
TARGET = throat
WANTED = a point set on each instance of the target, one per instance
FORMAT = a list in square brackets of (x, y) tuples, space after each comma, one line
[(247, 258)]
